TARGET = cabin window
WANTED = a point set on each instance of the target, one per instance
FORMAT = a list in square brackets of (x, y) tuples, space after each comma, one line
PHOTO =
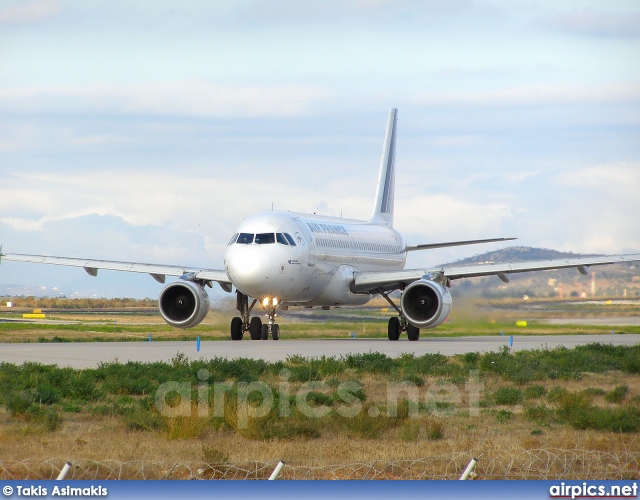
[(265, 238), (245, 238)]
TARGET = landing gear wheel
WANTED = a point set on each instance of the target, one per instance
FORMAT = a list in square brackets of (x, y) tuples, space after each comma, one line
[(255, 328), (275, 332), (413, 332), (264, 332), (236, 329), (393, 330)]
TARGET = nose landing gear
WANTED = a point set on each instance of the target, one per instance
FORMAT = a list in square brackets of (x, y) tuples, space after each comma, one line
[(271, 328), (245, 323)]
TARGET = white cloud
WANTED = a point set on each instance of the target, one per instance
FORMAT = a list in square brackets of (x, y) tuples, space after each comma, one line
[(177, 98), (535, 95), (591, 22), (443, 216), (32, 12), (619, 180)]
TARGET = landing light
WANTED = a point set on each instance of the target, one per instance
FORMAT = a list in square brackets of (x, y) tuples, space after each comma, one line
[(268, 301)]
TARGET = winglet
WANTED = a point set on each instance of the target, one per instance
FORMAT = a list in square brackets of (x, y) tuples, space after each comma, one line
[(383, 207)]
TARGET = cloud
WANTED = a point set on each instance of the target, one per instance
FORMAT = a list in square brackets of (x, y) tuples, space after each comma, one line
[(31, 13), (590, 22), (535, 95), (197, 99), (443, 216), (620, 180)]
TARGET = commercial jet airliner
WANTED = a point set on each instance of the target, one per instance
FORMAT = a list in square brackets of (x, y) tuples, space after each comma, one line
[(277, 260)]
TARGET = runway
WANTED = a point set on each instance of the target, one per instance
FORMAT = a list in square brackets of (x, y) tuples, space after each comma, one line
[(90, 354)]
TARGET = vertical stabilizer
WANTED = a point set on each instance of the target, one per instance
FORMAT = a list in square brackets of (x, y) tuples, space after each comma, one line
[(383, 208)]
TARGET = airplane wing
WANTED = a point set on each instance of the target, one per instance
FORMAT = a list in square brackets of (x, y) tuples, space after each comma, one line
[(157, 271), (386, 281), (411, 248)]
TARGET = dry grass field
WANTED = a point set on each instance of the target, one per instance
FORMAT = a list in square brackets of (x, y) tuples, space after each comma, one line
[(582, 402)]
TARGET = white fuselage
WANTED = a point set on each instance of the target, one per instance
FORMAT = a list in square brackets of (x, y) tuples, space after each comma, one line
[(318, 269)]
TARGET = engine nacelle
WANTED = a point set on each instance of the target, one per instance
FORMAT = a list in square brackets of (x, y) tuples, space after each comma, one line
[(183, 304), (425, 303)]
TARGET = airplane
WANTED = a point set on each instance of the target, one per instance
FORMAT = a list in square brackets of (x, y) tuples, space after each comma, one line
[(282, 259)]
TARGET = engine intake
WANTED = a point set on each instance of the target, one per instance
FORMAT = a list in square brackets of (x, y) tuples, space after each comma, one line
[(183, 304), (425, 303)]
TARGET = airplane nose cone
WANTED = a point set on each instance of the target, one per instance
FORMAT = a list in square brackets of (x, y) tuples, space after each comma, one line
[(248, 267)]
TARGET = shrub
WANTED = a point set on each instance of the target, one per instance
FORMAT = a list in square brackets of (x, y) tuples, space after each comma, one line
[(434, 430), (471, 358), (507, 396), (534, 392), (184, 427), (19, 403), (556, 394), (414, 379), (143, 420), (504, 416), (409, 431), (46, 395), (434, 364), (372, 362), (303, 373), (594, 391), (617, 395), (318, 398), (576, 410), (631, 361), (539, 413), (369, 423)]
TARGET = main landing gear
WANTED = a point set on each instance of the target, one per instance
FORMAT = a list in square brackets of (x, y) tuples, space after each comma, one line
[(400, 324), (245, 323)]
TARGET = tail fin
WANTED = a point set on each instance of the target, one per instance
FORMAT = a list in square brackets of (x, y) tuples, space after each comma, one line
[(383, 208)]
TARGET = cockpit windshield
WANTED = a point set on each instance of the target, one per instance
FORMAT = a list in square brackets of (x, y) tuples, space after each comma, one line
[(263, 239), (245, 238)]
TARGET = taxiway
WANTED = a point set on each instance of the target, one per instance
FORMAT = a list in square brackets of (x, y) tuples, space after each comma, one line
[(90, 354)]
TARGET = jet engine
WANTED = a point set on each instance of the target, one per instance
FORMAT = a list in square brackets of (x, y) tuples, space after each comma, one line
[(425, 303), (183, 304)]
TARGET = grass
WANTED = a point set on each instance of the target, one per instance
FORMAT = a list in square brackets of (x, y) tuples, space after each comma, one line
[(582, 398), (351, 393), (469, 318)]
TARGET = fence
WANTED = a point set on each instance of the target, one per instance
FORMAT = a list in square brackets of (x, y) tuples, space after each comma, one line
[(513, 464)]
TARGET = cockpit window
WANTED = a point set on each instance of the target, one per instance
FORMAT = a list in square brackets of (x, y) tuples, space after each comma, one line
[(281, 239), (264, 238), (233, 239), (290, 239), (245, 238)]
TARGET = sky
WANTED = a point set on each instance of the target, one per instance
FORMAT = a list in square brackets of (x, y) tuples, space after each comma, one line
[(147, 131)]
